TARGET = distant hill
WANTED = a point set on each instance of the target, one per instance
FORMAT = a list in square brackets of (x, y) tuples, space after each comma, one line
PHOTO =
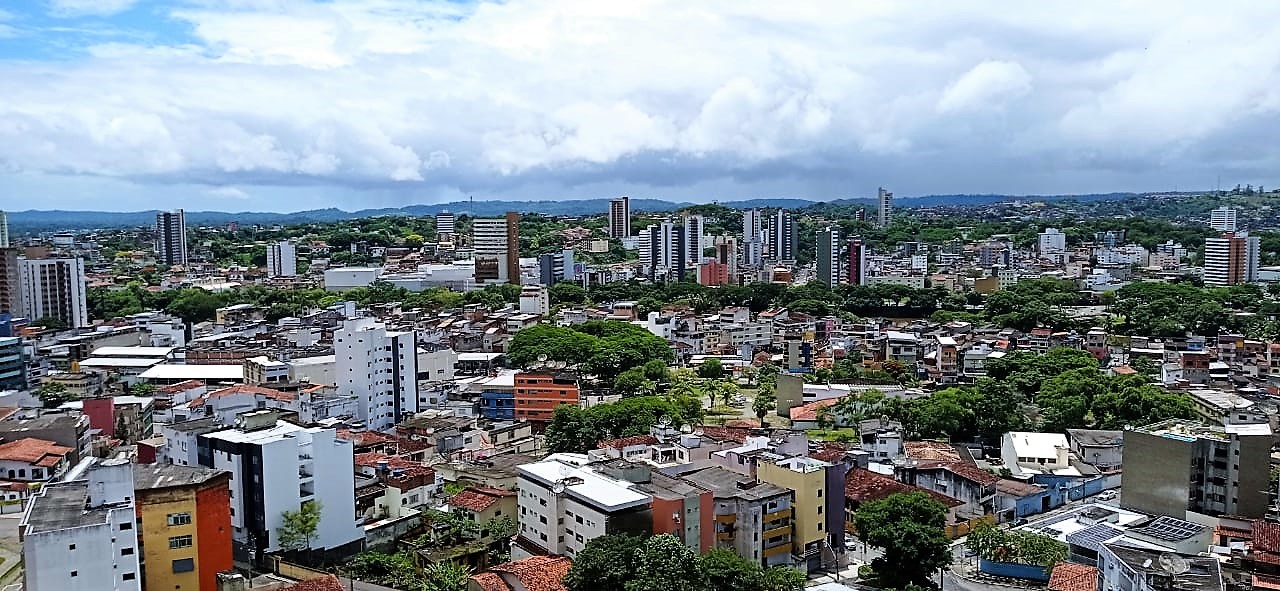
[(33, 221)]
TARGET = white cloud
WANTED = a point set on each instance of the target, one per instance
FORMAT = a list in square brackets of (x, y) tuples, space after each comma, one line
[(379, 95), (72, 8), (990, 83), (227, 193)]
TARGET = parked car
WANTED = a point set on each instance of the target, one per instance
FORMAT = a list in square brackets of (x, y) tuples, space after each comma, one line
[(1108, 495)]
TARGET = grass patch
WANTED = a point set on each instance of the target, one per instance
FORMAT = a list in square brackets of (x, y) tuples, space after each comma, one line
[(846, 435)]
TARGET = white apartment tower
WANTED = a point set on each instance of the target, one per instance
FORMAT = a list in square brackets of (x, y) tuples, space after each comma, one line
[(1052, 241), (379, 367), (171, 237), (1231, 259), (752, 238), (782, 236), (828, 257), (79, 535), (444, 226), (282, 260), (4, 230), (663, 251), (620, 217), (277, 466), (1223, 219), (53, 288), (885, 201)]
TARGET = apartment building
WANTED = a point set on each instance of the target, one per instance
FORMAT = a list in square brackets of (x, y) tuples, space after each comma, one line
[(282, 259), (54, 288), (828, 259), (753, 518), (1203, 468), (818, 508), (379, 367), (496, 247), (171, 237), (79, 535), (277, 466), (565, 503), (620, 217), (1231, 259), (184, 516), (538, 394)]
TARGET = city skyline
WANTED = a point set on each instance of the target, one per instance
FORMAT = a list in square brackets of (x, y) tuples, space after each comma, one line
[(136, 105)]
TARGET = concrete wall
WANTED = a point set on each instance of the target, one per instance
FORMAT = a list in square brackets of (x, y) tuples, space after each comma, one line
[(1160, 487)]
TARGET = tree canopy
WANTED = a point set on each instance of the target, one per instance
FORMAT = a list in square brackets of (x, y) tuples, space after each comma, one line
[(604, 348), (663, 562), (577, 429), (909, 528)]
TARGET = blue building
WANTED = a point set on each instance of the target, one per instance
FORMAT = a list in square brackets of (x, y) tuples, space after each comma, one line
[(13, 369), (498, 405)]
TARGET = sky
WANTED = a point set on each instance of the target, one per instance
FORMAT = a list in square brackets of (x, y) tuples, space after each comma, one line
[(283, 105)]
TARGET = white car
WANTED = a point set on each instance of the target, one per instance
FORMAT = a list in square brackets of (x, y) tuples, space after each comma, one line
[(1107, 495)]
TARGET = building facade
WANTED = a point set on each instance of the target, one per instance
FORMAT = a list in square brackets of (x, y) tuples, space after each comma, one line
[(184, 514), (782, 237), (884, 202), (171, 237), (1208, 469), (379, 367), (828, 257), (1231, 259), (620, 217), (54, 288), (496, 245), (282, 260), (538, 394)]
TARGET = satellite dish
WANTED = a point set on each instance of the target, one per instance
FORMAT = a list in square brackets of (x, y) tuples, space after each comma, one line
[(664, 422), (558, 487), (1173, 564)]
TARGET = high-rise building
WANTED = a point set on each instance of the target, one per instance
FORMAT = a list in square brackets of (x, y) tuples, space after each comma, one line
[(444, 226), (79, 535), (13, 364), (1208, 469), (378, 367), (496, 243), (1052, 241), (782, 236), (1231, 259), (53, 288), (861, 214), (10, 286), (885, 201), (694, 228), (1223, 219), (828, 257), (556, 267), (620, 217), (277, 466), (752, 238), (857, 262), (727, 254), (4, 229), (282, 260), (534, 299), (666, 251), (171, 237), (184, 516)]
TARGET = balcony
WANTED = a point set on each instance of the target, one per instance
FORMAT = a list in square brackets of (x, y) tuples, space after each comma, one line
[(730, 518), (724, 536), (777, 531), (776, 550), (779, 514)]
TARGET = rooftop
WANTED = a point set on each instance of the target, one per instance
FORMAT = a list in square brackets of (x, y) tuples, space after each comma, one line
[(479, 498), (1096, 437), (157, 476), (193, 372), (1069, 576), (727, 483), (36, 452), (584, 483), (1190, 430), (62, 506)]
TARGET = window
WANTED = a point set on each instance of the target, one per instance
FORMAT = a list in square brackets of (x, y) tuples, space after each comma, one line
[(127, 577), (126, 526), (71, 546), (179, 519), (177, 542), (184, 565), (126, 551), (75, 573)]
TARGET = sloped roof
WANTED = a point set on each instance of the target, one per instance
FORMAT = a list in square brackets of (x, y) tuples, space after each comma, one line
[(36, 452), (538, 573), (1069, 576), (625, 442), (863, 485), (478, 498)]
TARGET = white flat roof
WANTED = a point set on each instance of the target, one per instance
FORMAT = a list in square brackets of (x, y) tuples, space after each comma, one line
[(132, 352), (595, 489), (194, 372), (317, 360), (282, 430), (478, 356), (1037, 445), (120, 362)]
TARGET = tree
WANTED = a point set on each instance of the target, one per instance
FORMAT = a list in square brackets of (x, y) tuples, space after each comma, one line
[(392, 570), (577, 430), (142, 389), (53, 394), (725, 569), (445, 576), (298, 528), (413, 241), (910, 529), (711, 369), (634, 383), (664, 562), (50, 323), (784, 578), (606, 562), (765, 401)]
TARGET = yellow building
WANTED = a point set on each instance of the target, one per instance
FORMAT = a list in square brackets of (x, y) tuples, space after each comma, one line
[(185, 531), (807, 479)]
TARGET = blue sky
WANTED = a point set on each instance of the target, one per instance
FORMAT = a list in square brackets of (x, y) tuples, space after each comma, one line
[(285, 105)]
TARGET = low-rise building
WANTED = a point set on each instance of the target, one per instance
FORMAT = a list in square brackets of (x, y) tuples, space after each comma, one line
[(565, 503), (184, 516)]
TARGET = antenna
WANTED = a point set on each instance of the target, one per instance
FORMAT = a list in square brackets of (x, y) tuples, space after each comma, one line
[(1173, 564)]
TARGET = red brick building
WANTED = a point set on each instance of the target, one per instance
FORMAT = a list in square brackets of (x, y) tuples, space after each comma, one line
[(538, 394)]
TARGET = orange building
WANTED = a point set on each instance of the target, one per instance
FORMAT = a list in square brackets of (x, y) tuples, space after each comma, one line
[(185, 525), (538, 394)]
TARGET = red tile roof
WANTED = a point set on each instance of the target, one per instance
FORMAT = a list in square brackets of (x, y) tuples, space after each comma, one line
[(255, 390), (180, 387), (725, 433), (490, 582), (863, 485), (1069, 576), (930, 450), (364, 438), (409, 468), (962, 469), (809, 412), (830, 452), (1266, 536), (37, 452), (478, 498), (538, 573), (629, 441), (743, 423), (325, 583)]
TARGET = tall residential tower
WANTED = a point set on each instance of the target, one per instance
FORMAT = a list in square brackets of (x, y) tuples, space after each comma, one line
[(171, 237)]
